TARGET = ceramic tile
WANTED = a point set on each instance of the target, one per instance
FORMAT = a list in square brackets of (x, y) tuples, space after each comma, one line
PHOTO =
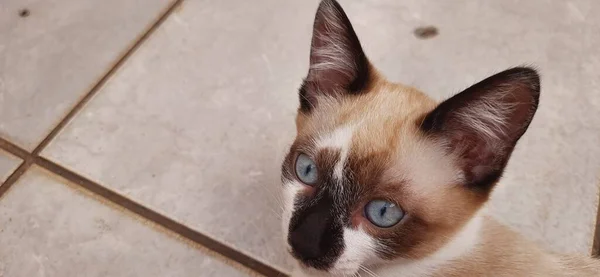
[(206, 115), (48, 228), (8, 164), (52, 57), (197, 122)]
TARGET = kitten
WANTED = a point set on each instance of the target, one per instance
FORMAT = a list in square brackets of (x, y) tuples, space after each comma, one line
[(383, 181)]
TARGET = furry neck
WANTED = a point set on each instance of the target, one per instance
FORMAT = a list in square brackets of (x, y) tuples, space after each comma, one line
[(463, 244), (485, 247)]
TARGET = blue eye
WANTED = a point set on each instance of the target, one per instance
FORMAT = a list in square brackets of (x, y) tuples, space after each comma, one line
[(383, 214), (306, 169)]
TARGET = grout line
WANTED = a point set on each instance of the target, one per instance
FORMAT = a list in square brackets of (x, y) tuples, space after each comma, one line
[(26, 164), (88, 96), (596, 243), (160, 219), (33, 158), (132, 206), (14, 149), (28, 157), (12, 179)]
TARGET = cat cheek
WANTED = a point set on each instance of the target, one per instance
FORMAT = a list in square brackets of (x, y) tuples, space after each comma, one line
[(291, 190)]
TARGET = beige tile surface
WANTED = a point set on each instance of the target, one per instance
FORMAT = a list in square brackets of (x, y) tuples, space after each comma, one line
[(51, 58), (8, 164), (50, 229), (196, 124)]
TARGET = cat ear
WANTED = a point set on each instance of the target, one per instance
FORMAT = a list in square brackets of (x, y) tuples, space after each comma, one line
[(338, 64), (481, 125)]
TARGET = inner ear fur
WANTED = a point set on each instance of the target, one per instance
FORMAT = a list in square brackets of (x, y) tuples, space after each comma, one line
[(338, 65), (481, 125)]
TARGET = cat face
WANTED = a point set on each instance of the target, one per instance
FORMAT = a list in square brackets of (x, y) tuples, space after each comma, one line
[(379, 172)]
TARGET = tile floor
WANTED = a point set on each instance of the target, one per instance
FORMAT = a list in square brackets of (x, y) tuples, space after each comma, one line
[(170, 165), (63, 231), (8, 163)]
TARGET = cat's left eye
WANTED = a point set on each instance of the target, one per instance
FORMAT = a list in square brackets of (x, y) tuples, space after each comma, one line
[(383, 213), (306, 169)]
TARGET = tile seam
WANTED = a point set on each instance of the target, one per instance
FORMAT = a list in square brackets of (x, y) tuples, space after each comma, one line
[(14, 177), (160, 219), (596, 241), (122, 201), (138, 42), (14, 149), (33, 157), (21, 153)]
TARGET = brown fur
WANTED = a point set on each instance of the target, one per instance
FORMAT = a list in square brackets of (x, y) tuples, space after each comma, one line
[(437, 162), (505, 253), (435, 211)]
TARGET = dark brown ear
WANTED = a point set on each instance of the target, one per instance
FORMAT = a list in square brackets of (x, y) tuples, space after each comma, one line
[(481, 125), (337, 63)]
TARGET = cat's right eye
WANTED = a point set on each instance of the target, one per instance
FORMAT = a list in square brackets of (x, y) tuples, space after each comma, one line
[(383, 213), (306, 169)]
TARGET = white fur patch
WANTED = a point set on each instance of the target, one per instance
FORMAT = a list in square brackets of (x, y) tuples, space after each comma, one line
[(464, 241), (358, 247), (290, 190), (339, 139)]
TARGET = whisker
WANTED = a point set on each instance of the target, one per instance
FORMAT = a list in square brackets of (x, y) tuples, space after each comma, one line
[(275, 213), (274, 195), (368, 271), (279, 202)]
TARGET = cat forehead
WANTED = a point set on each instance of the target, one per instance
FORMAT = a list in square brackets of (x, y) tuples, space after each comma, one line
[(384, 106), (394, 152), (373, 122), (376, 138)]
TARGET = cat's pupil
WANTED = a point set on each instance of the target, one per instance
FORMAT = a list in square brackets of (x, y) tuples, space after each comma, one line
[(382, 211), (308, 170)]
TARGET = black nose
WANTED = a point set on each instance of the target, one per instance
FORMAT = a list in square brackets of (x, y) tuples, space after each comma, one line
[(308, 237), (316, 234)]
